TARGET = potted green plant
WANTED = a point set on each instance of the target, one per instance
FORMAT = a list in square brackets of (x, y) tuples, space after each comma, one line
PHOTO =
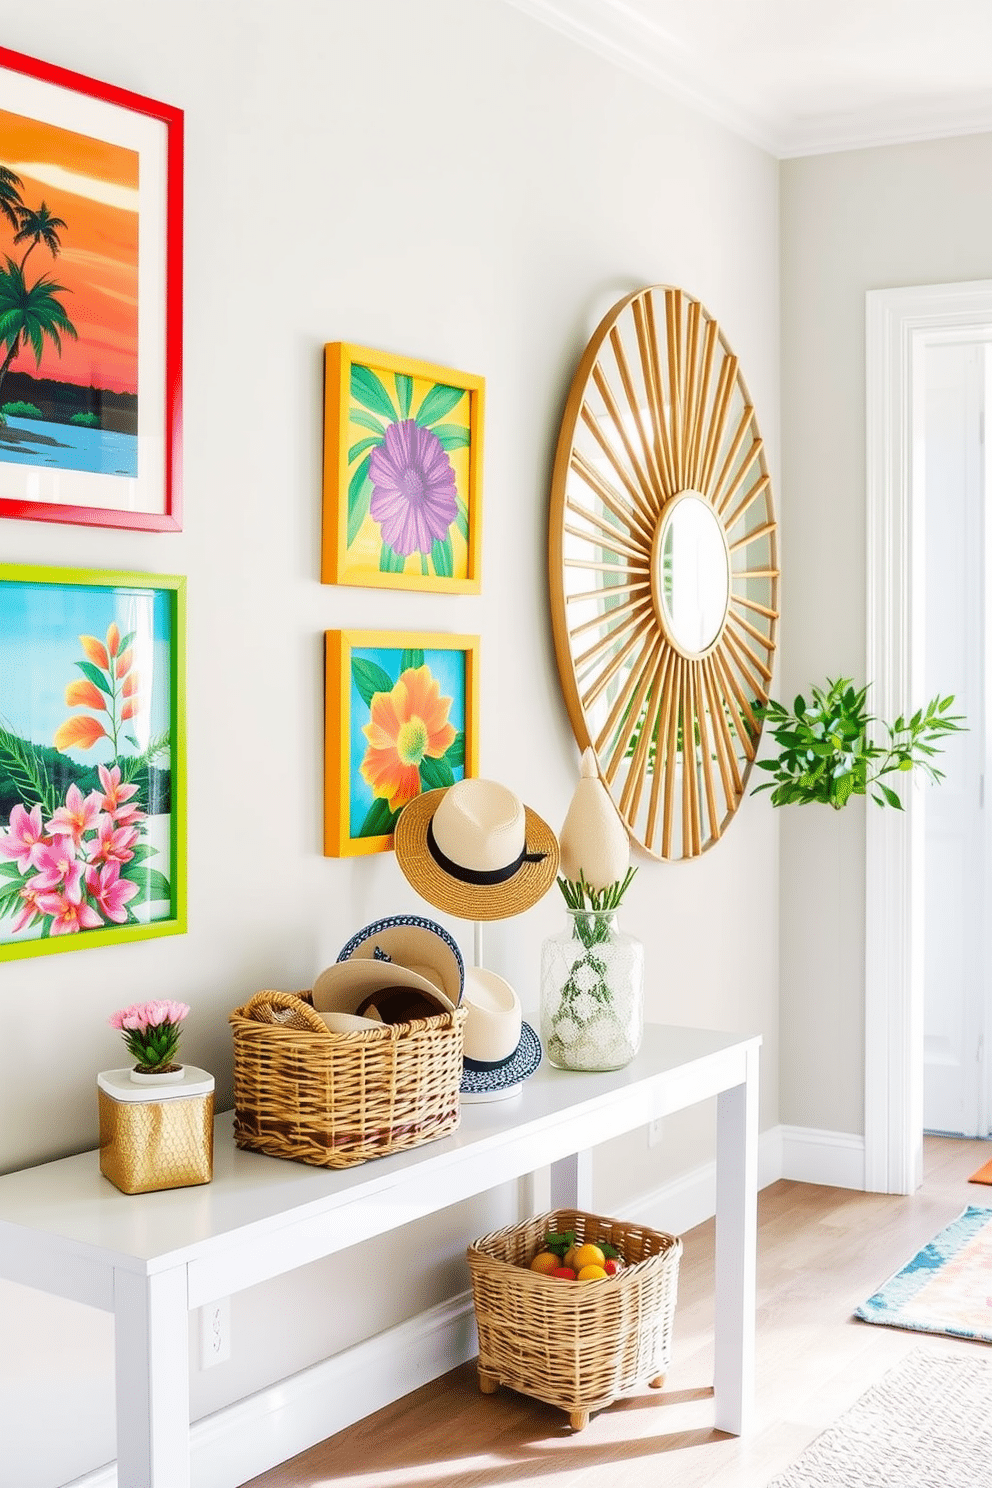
[(829, 749), (151, 1031), (157, 1117)]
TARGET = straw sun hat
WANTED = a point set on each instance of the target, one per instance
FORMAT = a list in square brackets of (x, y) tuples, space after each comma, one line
[(475, 850)]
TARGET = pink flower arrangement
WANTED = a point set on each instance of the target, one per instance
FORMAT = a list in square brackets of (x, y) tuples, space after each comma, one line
[(151, 1032)]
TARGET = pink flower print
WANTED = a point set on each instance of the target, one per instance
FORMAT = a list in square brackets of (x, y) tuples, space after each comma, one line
[(414, 498), (110, 891), (24, 833), (114, 794), (112, 843), (58, 869), (68, 916), (76, 816), (30, 895)]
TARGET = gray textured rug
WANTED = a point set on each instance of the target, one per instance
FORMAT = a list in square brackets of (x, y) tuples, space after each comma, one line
[(928, 1424)]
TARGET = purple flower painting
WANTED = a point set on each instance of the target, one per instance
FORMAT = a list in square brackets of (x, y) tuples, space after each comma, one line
[(414, 499), (403, 463)]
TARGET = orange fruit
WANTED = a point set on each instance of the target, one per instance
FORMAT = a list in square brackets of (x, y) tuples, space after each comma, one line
[(591, 1273), (570, 1258), (588, 1255), (545, 1262)]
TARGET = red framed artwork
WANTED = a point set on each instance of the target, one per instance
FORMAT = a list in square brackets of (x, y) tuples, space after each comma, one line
[(91, 233)]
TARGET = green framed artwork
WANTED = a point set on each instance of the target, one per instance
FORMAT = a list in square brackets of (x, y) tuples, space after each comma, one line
[(92, 758), (401, 716), (402, 473)]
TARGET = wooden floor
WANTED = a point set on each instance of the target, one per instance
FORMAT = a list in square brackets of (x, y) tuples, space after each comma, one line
[(821, 1251)]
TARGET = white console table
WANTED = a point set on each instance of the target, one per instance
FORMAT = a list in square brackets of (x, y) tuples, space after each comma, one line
[(150, 1258)]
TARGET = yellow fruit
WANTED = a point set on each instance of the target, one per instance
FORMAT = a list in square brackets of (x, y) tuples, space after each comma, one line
[(588, 1255), (545, 1262), (591, 1273), (570, 1258)]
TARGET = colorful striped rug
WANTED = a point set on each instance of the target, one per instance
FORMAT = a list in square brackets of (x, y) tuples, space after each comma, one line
[(946, 1287)]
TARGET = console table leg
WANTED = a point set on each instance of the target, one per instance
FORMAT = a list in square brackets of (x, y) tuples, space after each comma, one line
[(151, 1350), (736, 1250), (571, 1182)]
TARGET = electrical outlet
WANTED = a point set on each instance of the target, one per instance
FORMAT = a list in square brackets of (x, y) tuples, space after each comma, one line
[(654, 1131), (215, 1333)]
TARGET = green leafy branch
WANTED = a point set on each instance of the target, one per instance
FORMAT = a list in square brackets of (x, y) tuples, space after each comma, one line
[(157, 748), (26, 771), (827, 752)]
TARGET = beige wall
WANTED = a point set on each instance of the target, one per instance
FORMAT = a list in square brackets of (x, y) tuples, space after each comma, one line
[(453, 182), (866, 219)]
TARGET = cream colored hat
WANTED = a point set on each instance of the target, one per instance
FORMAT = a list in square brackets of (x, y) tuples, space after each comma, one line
[(500, 1050), (416, 943), (492, 1028), (347, 985), (475, 850)]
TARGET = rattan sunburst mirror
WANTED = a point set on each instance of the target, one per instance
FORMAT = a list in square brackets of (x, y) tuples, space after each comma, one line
[(664, 573)]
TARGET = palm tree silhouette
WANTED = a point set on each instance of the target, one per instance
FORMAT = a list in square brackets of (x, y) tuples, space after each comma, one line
[(30, 314), (11, 204), (40, 227)]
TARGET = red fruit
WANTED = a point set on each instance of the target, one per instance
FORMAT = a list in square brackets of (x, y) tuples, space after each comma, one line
[(565, 1272), (611, 1267)]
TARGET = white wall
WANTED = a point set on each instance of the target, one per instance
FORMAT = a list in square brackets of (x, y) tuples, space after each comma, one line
[(457, 183), (867, 219)]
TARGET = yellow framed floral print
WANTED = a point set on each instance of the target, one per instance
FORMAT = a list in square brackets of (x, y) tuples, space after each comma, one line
[(402, 473), (401, 716)]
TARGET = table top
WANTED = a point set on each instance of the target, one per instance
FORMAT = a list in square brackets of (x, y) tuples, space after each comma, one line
[(68, 1202)]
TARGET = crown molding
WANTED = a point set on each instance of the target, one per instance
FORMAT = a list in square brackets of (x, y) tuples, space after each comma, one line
[(623, 35), (899, 125), (614, 31)]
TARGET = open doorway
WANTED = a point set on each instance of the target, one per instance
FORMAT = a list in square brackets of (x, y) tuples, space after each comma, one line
[(949, 443), (901, 326)]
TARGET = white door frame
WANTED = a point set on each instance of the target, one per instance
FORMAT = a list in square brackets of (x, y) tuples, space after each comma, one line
[(899, 322)]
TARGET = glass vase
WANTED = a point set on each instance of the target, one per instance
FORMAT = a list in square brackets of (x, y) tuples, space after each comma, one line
[(592, 993)]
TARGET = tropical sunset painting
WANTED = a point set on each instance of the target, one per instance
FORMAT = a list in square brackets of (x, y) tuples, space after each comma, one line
[(87, 762), (68, 300)]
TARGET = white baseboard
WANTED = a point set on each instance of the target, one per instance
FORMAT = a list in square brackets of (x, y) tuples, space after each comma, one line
[(835, 1159), (255, 1434)]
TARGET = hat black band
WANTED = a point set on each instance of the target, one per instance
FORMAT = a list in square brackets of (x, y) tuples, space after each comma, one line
[(474, 875), (486, 1064)]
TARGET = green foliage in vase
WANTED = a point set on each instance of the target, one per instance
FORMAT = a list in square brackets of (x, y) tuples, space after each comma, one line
[(588, 904), (828, 751)]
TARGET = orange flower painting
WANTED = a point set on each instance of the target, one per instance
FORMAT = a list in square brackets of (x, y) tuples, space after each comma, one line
[(408, 730), (401, 716), (409, 724)]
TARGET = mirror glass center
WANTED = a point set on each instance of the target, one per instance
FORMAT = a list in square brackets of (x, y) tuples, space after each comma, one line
[(693, 577)]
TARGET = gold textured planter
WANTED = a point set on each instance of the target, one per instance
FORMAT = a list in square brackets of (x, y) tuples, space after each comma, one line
[(155, 1136)]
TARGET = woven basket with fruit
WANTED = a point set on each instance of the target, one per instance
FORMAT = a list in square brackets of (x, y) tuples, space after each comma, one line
[(574, 1309)]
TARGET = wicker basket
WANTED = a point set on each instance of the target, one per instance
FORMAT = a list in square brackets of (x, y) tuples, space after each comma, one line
[(577, 1345), (335, 1099)]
